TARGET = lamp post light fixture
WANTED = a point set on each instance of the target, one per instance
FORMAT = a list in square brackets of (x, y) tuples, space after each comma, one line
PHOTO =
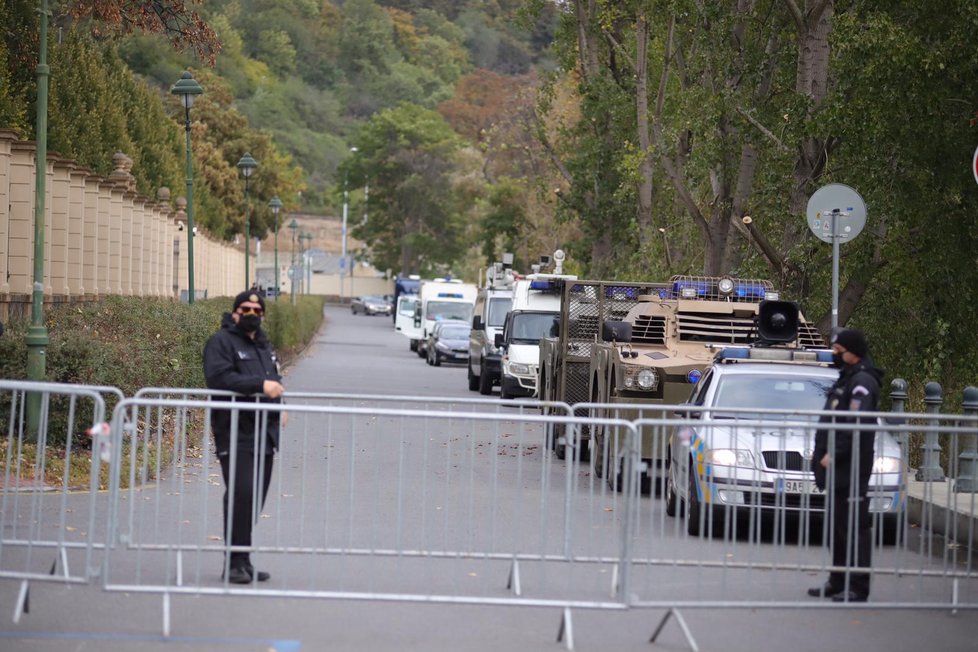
[(247, 166), (188, 89), (293, 227), (276, 205)]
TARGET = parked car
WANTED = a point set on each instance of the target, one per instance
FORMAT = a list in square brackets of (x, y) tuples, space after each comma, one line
[(448, 342), (370, 305), (727, 460)]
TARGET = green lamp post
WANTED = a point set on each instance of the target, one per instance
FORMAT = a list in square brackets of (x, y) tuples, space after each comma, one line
[(37, 333), (247, 166), (276, 205), (293, 227), (188, 89), (306, 263)]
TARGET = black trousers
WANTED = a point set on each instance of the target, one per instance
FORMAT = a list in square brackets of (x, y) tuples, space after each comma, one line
[(249, 467), (852, 543)]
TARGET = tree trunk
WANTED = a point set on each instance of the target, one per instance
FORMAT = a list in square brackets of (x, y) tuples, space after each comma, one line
[(644, 217)]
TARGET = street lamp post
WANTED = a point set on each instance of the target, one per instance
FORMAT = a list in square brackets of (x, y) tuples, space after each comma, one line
[(293, 227), (276, 205), (188, 89), (346, 204), (37, 334), (307, 261), (247, 166)]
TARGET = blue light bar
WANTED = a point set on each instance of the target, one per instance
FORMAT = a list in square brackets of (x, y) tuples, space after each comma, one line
[(749, 291), (450, 295), (621, 292), (733, 354), (699, 287), (541, 285), (694, 376), (823, 356)]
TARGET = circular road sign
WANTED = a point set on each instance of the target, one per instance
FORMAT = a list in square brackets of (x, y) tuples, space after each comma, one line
[(850, 219)]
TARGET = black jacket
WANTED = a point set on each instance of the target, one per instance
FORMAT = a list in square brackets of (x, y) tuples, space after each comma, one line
[(856, 390), (233, 361)]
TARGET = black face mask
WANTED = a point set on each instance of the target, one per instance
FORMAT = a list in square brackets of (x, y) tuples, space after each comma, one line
[(249, 323), (837, 360)]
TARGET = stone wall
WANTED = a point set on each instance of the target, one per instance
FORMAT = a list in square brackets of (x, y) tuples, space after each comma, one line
[(101, 237)]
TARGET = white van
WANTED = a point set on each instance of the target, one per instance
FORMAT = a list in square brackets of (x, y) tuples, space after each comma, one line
[(442, 299), (492, 304), (536, 307), (404, 312)]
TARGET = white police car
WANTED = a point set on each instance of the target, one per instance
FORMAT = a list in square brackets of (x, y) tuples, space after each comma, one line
[(746, 445)]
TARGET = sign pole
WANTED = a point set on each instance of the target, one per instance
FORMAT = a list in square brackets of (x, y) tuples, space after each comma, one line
[(835, 269)]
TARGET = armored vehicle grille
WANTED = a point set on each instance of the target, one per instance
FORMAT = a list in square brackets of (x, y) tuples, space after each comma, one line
[(784, 460), (577, 383), (719, 329), (808, 337), (649, 330)]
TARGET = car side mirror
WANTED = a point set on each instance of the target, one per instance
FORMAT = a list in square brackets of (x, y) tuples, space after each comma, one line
[(498, 340), (477, 324), (555, 327)]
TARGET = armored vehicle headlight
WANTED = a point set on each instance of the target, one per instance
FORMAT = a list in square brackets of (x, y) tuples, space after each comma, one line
[(647, 379), (725, 285)]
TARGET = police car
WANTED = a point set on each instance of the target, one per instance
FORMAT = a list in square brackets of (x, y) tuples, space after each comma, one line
[(747, 444)]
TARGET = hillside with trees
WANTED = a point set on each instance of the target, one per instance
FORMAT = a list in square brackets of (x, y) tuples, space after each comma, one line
[(648, 138)]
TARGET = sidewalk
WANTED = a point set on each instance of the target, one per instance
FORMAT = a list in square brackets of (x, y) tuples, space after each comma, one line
[(938, 507)]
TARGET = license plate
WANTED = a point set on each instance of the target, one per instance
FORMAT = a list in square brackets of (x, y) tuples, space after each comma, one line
[(797, 487)]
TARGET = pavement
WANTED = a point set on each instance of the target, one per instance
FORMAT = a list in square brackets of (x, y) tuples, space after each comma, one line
[(951, 514)]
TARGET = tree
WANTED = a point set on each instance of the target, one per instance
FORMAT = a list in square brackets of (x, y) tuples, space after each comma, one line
[(408, 154), (182, 27)]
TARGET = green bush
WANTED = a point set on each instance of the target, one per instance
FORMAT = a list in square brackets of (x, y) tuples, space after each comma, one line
[(130, 343)]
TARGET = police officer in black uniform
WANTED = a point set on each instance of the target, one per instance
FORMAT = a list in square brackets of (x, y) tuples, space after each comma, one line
[(843, 461), (239, 358)]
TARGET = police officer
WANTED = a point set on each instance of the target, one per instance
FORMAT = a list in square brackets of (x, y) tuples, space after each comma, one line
[(843, 461), (239, 358)]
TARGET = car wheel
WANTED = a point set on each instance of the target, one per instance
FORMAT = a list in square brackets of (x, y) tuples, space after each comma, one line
[(560, 450), (672, 500), (473, 379), (413, 345), (485, 384)]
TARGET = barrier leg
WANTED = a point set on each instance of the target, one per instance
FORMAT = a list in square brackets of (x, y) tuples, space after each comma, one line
[(166, 614), (23, 605), (514, 578), (682, 625), (566, 631)]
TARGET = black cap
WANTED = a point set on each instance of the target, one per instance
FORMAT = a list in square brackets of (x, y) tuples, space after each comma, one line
[(853, 340), (253, 296)]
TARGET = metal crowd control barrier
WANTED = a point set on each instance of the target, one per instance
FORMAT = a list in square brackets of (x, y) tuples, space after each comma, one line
[(49, 526), (461, 501), (430, 505)]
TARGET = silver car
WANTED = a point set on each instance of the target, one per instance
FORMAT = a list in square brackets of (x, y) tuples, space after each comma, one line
[(727, 460)]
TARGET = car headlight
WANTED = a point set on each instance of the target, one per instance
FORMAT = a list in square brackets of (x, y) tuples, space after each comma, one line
[(641, 378), (441, 346), (730, 457), (518, 369), (887, 465)]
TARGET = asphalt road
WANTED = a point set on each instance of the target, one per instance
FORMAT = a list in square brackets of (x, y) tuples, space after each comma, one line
[(363, 355)]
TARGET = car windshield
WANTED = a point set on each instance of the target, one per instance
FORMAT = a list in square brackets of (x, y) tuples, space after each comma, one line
[(784, 393), (374, 300), (530, 327), (449, 310), (454, 333), (498, 308)]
